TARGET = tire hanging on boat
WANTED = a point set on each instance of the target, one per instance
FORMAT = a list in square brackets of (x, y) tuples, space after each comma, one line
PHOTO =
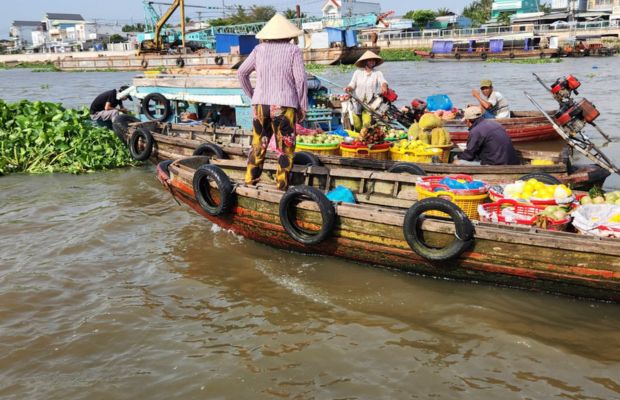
[(457, 56), (407, 168), (120, 126), (431, 55), (141, 154), (483, 56), (464, 229), (158, 98), (288, 218), (219, 60), (211, 150), (180, 62), (201, 183), (541, 177), (144, 64), (511, 55), (306, 158)]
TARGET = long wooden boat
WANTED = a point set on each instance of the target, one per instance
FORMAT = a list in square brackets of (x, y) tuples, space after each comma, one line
[(514, 54), (387, 228), (174, 141)]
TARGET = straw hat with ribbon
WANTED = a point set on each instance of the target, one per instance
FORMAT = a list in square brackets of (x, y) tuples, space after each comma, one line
[(278, 27), (369, 55)]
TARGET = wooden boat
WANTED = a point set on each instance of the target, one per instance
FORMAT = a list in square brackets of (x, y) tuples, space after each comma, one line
[(387, 223), (174, 141)]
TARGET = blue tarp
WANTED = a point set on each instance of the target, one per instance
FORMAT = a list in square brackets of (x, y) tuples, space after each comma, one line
[(334, 35), (246, 43), (442, 46), (350, 38), (496, 45)]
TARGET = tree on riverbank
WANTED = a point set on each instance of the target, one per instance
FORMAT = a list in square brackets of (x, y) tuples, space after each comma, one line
[(478, 11), (245, 16), (421, 17)]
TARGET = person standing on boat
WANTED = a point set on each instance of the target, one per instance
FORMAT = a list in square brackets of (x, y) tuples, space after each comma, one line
[(492, 101), (487, 143), (280, 98), (106, 106), (365, 83)]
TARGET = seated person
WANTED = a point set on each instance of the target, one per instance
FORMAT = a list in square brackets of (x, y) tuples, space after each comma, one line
[(188, 117), (491, 101), (227, 116), (487, 143)]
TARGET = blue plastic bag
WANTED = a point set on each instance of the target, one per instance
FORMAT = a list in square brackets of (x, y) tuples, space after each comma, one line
[(438, 102), (341, 193)]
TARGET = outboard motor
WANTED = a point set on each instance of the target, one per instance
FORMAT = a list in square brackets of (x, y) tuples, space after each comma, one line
[(563, 88), (574, 116)]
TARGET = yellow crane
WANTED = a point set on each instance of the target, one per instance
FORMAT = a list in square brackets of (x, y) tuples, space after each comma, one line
[(155, 45)]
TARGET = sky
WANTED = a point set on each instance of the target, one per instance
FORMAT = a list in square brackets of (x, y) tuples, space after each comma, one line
[(126, 11)]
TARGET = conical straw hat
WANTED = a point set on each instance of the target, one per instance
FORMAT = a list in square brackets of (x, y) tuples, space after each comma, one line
[(369, 55), (278, 27)]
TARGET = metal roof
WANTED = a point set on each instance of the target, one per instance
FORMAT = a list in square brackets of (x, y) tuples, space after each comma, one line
[(26, 23), (64, 17)]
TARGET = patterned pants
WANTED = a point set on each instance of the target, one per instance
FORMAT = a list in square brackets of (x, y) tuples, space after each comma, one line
[(269, 120)]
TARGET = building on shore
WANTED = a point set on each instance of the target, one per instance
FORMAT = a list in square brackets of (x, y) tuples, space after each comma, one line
[(20, 33), (349, 8)]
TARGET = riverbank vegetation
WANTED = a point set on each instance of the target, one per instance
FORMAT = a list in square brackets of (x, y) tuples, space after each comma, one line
[(525, 60), (399, 55), (44, 66), (319, 68), (40, 137)]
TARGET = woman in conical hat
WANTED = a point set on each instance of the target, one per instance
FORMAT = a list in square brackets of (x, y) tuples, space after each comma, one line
[(279, 99), (366, 83)]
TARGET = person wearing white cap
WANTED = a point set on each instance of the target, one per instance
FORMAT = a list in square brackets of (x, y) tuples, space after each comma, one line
[(365, 83), (280, 97), (487, 143)]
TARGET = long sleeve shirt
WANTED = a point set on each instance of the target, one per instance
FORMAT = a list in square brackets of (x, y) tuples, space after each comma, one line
[(489, 143), (280, 75)]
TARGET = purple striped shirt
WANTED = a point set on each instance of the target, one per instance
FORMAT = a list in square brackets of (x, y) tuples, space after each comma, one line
[(280, 75)]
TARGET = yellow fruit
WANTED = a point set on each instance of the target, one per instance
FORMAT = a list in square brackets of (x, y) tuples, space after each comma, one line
[(615, 218)]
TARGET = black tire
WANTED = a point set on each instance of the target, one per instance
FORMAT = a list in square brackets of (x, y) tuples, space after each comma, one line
[(484, 56), (306, 158), (219, 60), (328, 214), (158, 98), (200, 183), (120, 126), (431, 55), (541, 177), (165, 166), (542, 54), (464, 230), (180, 62), (457, 56), (211, 150), (144, 64), (511, 55), (134, 149), (407, 168)]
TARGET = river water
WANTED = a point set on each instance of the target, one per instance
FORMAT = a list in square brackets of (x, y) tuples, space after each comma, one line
[(110, 290)]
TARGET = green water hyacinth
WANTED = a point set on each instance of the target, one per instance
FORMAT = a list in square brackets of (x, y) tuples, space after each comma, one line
[(40, 137)]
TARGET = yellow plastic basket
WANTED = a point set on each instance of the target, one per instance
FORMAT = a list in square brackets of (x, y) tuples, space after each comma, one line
[(321, 149), (469, 204), (422, 156), (378, 152)]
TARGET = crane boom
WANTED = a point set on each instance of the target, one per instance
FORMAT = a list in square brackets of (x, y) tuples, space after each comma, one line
[(165, 17)]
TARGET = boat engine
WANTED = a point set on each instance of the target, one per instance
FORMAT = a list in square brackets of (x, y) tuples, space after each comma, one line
[(573, 117), (563, 88)]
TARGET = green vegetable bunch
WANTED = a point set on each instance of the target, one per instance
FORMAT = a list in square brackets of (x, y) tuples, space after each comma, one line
[(40, 137)]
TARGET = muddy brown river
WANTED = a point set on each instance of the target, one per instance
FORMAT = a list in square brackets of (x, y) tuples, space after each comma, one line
[(110, 290)]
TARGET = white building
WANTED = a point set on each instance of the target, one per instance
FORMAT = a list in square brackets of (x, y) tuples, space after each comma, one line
[(21, 33), (348, 8)]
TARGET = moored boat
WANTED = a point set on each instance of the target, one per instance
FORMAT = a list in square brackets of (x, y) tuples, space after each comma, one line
[(174, 141), (387, 228)]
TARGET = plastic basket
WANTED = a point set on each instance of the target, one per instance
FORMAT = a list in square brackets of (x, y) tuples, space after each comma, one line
[(377, 152), (419, 156), (404, 135), (521, 214), (496, 193), (326, 149), (468, 203)]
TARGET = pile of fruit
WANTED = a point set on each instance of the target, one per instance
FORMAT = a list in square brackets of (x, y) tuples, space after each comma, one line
[(533, 189), (395, 134), (415, 146), (557, 213), (596, 196), (321, 138), (371, 135)]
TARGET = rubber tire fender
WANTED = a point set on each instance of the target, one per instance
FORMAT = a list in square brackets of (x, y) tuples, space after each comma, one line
[(144, 64), (464, 230), (180, 62), (326, 208), (541, 177), (431, 55), (200, 183), (211, 150), (160, 98), (408, 168), (306, 158), (511, 55), (165, 166), (457, 56), (484, 56), (120, 126), (218, 60), (148, 144), (542, 54)]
